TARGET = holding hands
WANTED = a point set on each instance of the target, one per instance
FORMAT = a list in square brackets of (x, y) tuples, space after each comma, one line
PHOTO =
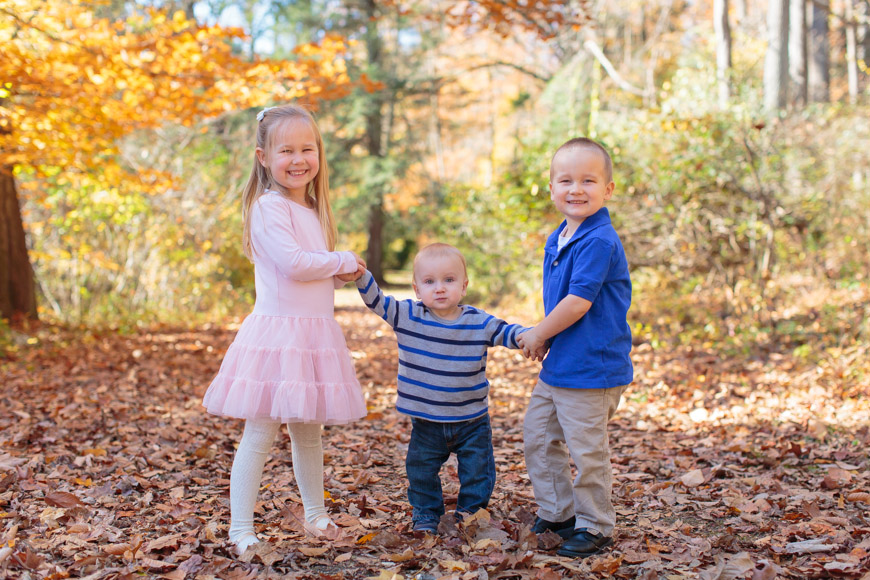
[(354, 276), (533, 345)]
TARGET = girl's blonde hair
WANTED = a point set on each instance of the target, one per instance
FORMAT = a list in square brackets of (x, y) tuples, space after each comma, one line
[(261, 178)]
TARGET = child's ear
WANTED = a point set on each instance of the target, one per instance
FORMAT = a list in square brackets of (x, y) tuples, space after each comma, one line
[(464, 286), (608, 191), (261, 156), (417, 292)]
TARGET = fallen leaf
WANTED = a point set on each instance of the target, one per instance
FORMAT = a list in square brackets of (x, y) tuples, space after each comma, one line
[(63, 499), (731, 569), (693, 478), (809, 546)]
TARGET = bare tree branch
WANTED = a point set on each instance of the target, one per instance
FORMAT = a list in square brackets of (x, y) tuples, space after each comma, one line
[(591, 46)]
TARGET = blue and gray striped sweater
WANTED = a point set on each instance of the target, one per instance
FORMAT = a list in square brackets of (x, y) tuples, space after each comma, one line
[(442, 363)]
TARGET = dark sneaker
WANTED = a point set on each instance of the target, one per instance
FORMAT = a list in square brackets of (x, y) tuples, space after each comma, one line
[(426, 526), (584, 543), (564, 529)]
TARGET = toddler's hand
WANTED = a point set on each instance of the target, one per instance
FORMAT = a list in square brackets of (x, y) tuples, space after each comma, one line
[(539, 354), (533, 346)]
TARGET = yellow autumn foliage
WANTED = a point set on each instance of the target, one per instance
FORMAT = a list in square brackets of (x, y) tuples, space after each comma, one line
[(74, 84)]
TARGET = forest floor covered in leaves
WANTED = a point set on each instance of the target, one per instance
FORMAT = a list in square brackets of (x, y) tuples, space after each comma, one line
[(725, 467)]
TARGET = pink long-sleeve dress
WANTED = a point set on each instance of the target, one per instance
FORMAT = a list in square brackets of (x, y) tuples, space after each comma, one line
[(289, 361)]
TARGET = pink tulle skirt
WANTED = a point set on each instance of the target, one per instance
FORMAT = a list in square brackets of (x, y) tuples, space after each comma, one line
[(291, 369)]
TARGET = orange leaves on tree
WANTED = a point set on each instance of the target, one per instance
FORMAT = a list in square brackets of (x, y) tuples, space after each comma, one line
[(74, 83)]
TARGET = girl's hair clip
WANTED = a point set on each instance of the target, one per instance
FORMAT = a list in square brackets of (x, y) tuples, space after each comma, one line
[(262, 113)]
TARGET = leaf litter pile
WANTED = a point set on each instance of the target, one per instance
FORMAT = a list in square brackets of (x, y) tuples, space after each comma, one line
[(723, 468)]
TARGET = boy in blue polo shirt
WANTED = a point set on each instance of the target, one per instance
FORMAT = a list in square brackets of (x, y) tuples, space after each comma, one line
[(587, 294)]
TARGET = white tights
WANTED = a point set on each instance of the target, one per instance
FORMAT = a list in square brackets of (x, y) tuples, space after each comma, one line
[(307, 453)]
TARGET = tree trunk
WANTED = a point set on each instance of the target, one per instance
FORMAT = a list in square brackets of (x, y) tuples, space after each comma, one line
[(740, 8), (17, 287), (722, 29), (862, 17), (776, 59), (797, 51), (851, 50), (819, 65), (374, 118)]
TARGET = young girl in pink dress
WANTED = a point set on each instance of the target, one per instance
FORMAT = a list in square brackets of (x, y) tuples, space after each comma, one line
[(289, 362)]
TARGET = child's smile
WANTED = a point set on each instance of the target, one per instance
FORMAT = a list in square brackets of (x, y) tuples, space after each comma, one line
[(292, 158), (579, 185)]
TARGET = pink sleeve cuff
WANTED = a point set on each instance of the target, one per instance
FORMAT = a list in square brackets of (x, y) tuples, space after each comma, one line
[(348, 263)]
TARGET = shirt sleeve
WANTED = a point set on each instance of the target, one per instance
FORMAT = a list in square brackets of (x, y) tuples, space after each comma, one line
[(272, 234), (501, 333), (591, 268), (384, 306)]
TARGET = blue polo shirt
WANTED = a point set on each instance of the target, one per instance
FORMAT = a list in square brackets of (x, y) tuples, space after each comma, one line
[(594, 351)]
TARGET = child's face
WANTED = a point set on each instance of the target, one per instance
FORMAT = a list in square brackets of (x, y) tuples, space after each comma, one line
[(292, 157), (440, 282), (579, 184)]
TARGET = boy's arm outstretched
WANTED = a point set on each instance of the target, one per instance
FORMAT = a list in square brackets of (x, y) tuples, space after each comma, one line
[(568, 311), (381, 304), (502, 333)]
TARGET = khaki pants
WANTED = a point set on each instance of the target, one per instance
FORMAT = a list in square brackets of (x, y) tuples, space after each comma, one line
[(571, 422)]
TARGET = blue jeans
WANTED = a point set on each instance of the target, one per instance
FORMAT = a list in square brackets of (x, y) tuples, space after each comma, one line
[(431, 445)]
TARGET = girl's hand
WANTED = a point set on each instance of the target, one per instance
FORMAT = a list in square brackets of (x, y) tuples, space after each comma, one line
[(354, 276)]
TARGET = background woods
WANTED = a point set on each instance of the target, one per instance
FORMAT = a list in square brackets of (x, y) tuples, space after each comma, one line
[(739, 131), (737, 127)]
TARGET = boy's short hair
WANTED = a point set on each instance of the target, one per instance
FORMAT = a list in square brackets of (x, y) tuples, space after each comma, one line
[(586, 143), (438, 250)]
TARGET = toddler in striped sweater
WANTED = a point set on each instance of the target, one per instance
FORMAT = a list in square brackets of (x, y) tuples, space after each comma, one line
[(442, 383)]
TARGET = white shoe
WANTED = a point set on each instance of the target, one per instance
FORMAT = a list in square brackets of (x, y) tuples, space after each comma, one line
[(244, 542), (323, 526)]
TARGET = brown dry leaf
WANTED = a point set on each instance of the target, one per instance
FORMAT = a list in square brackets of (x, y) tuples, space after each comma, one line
[(386, 575), (844, 564), (731, 569), (546, 573), (153, 564), (405, 556), (63, 499), (766, 570), (453, 565), (5, 552), (693, 478), (313, 552), (164, 542), (387, 539), (116, 549), (607, 564), (836, 478)]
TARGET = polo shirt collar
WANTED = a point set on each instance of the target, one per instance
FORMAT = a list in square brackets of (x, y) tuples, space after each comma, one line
[(596, 220)]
